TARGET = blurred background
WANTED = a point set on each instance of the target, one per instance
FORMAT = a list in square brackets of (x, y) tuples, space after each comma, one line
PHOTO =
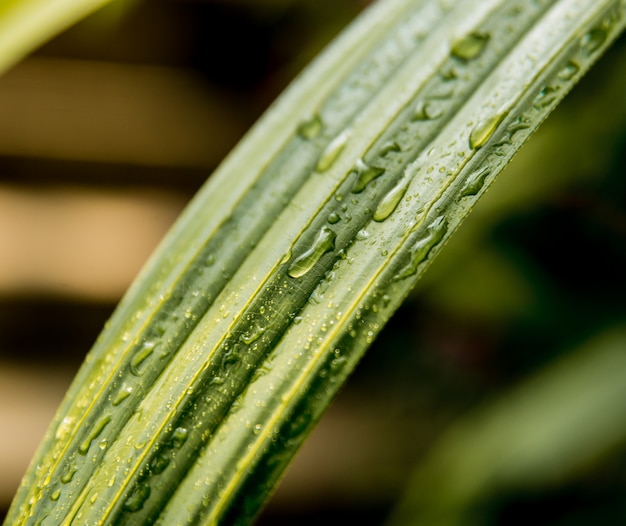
[(496, 395)]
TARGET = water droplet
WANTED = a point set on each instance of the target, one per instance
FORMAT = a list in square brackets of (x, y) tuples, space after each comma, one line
[(217, 380), (434, 234), (365, 175), (67, 477), (138, 496), (179, 437), (337, 364), (332, 151), (362, 235), (160, 462), (390, 201), (470, 46), (324, 242), (569, 70), (96, 430), (333, 218), (311, 127), (593, 40), (475, 182), (141, 356), (448, 74), (122, 394), (64, 427), (285, 258), (55, 495), (252, 335), (484, 130), (111, 481), (426, 111), (388, 147), (546, 97)]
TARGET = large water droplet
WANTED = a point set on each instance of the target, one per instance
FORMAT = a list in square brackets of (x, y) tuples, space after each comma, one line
[(64, 427), (324, 242), (434, 234), (96, 430), (179, 437), (137, 497), (332, 151), (311, 128), (141, 356), (569, 70), (390, 201), (484, 130), (252, 335), (286, 257), (160, 462), (475, 182), (334, 218), (122, 394), (593, 40), (67, 477), (545, 97), (365, 175), (470, 46), (388, 147), (425, 110)]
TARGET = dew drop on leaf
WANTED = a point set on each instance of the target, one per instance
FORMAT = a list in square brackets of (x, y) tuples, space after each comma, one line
[(67, 477), (475, 182), (365, 175), (310, 128), (425, 111), (546, 97), (434, 234), (568, 71), (332, 151), (470, 46), (593, 40), (323, 243), (140, 357), (179, 437), (96, 430), (137, 497), (333, 218), (484, 130), (391, 200)]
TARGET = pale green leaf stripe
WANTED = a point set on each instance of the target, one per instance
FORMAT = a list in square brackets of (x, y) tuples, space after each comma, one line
[(284, 268), (26, 24)]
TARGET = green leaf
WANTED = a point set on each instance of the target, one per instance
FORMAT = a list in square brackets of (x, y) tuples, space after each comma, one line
[(286, 265), (26, 24)]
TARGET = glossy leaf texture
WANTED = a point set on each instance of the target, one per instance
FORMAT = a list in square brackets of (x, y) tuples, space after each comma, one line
[(286, 265)]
